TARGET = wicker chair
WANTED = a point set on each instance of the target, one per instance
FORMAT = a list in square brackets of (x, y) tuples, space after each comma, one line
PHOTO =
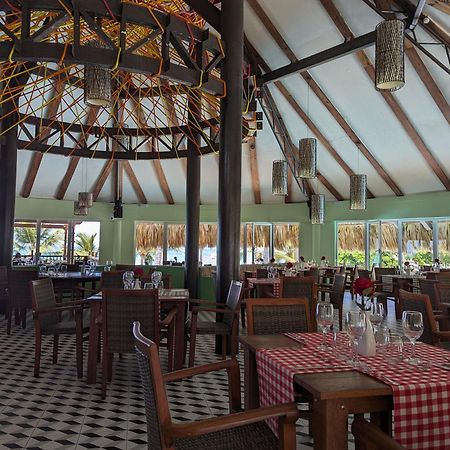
[(431, 288), (47, 314), (296, 287), (237, 431), (227, 328), (372, 437), (109, 280), (19, 295), (336, 294), (120, 308), (278, 316), (410, 301), (262, 273)]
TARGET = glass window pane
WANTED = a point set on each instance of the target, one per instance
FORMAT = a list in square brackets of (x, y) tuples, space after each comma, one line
[(351, 244), (444, 242), (24, 246), (417, 245), (149, 240), (286, 242), (262, 243), (53, 241), (86, 240), (389, 244), (374, 245), (208, 244), (176, 238)]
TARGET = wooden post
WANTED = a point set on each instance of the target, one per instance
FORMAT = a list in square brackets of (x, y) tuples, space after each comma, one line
[(192, 200), (230, 158)]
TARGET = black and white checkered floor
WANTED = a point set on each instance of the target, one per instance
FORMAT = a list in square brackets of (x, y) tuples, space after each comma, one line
[(58, 411)]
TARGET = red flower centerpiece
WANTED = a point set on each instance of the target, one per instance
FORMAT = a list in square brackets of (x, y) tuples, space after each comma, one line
[(138, 272), (365, 288)]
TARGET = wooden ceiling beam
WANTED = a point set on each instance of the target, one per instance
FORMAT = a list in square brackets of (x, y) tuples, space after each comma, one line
[(441, 5), (254, 171), (331, 189), (134, 182), (74, 160), (345, 30), (278, 38), (156, 163), (103, 176), (36, 160)]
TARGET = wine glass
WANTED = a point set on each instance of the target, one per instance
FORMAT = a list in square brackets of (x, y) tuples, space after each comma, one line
[(356, 325), (63, 269), (128, 278), (324, 318), (156, 278), (108, 266), (376, 314), (412, 323)]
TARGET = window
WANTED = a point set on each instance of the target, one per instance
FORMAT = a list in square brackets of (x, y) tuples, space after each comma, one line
[(53, 241), (86, 239), (417, 243), (208, 244), (176, 238), (25, 239), (351, 244), (286, 242), (443, 249), (149, 238), (389, 244)]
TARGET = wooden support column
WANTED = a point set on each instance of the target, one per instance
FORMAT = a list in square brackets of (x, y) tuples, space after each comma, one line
[(192, 200), (230, 163), (8, 169)]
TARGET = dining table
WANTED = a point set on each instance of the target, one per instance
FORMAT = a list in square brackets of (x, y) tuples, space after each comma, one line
[(278, 368), (272, 283), (169, 298)]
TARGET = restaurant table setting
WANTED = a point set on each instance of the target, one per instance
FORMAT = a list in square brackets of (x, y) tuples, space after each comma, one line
[(420, 388)]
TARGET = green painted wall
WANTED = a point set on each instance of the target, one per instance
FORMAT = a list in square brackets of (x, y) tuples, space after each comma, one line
[(117, 236)]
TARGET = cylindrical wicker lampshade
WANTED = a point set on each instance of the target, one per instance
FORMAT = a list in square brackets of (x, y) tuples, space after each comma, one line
[(307, 158), (86, 199), (280, 178), (358, 192), (79, 210), (317, 209), (97, 83), (389, 55)]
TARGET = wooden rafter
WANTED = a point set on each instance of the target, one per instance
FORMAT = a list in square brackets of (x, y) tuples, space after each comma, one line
[(103, 176), (35, 164), (388, 97), (134, 182), (418, 64), (277, 37), (156, 163), (74, 160), (442, 5), (254, 172)]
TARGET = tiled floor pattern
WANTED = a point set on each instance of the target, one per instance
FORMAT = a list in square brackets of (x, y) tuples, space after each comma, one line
[(58, 411)]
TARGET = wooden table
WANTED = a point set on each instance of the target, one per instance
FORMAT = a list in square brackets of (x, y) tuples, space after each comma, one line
[(274, 283), (335, 394), (168, 298)]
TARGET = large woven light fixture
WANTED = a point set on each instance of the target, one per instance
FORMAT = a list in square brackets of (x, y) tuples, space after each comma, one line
[(317, 209), (97, 83), (85, 199), (358, 192), (389, 55), (280, 178), (307, 158), (79, 210)]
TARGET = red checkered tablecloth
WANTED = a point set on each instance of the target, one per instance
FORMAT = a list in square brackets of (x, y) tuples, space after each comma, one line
[(421, 397), (275, 282)]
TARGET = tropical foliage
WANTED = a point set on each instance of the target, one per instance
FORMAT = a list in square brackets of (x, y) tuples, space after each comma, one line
[(85, 244), (51, 241)]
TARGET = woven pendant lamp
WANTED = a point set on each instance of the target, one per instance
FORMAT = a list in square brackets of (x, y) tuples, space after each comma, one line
[(79, 210), (317, 209), (85, 199), (389, 55), (358, 192), (280, 178), (97, 83), (307, 158)]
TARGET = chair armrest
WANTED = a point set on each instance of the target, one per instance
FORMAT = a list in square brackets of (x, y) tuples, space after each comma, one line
[(444, 335), (200, 301), (369, 433), (197, 309), (57, 310), (169, 318), (287, 411), (85, 289), (198, 370)]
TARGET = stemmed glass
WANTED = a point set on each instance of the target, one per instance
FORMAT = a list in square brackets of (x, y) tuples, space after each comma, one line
[(128, 278), (376, 314), (108, 266), (63, 269), (156, 279), (356, 325), (412, 323), (324, 318)]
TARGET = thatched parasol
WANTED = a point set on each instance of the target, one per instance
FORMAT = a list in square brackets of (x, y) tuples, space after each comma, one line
[(149, 236), (286, 236), (176, 236), (208, 235)]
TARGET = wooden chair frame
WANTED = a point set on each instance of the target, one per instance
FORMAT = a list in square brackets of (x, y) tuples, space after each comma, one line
[(372, 437)]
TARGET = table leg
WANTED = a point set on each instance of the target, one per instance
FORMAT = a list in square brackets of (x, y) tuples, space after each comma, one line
[(330, 425), (179, 336), (94, 332), (251, 388)]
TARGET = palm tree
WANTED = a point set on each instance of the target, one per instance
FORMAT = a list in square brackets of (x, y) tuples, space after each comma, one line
[(85, 244), (25, 239)]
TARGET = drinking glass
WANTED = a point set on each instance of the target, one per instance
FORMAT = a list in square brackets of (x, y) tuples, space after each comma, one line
[(93, 267), (63, 269), (412, 323), (156, 279), (148, 285), (394, 350), (128, 278), (381, 340), (51, 270), (324, 318), (108, 266), (376, 314), (42, 269), (356, 325)]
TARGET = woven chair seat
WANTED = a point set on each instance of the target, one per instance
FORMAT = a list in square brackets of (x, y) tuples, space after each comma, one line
[(210, 327), (256, 435), (65, 327)]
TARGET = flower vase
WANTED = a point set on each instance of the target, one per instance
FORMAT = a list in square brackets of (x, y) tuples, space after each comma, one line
[(137, 284), (367, 345)]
